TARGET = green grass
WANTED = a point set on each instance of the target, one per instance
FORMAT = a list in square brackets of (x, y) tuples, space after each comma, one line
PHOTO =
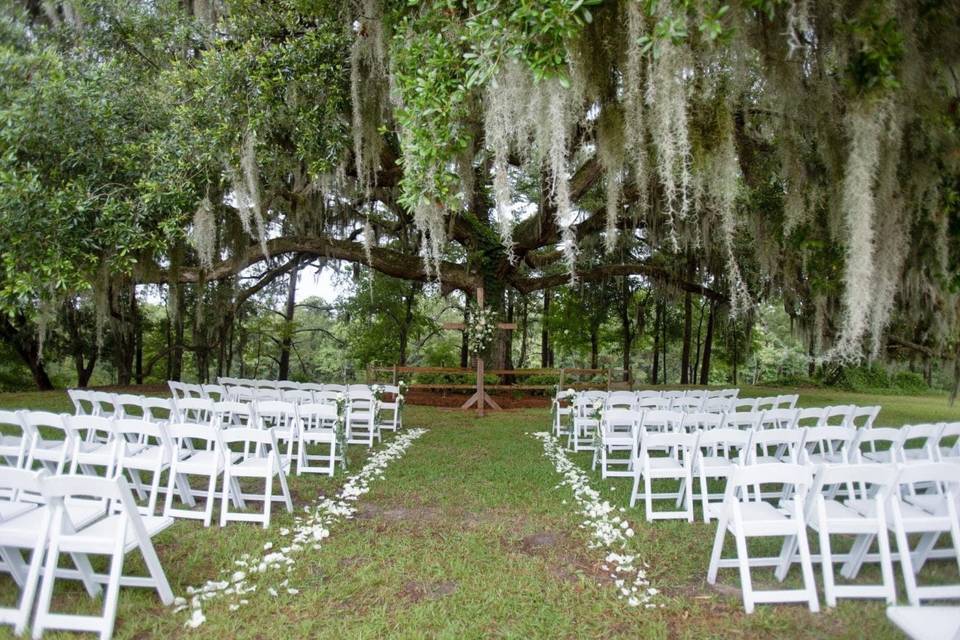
[(467, 536)]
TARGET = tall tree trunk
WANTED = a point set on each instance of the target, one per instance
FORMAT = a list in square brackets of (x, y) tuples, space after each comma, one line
[(177, 303), (524, 333), (594, 347), (289, 311), (696, 358), (657, 321), (464, 345), (138, 337), (22, 337), (687, 323), (708, 347), (626, 327), (663, 341), (736, 352), (546, 359)]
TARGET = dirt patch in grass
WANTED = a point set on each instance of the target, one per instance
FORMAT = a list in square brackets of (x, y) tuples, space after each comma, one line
[(542, 540), (416, 591)]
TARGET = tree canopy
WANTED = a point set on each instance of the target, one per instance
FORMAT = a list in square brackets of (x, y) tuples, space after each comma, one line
[(797, 151)]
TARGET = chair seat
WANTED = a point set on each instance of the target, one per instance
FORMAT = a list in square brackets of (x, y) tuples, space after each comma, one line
[(10, 510), (931, 503), (659, 464), (100, 535), (761, 511), (825, 458), (319, 435), (878, 456), (203, 462), (715, 464), (25, 526), (927, 622), (252, 465)]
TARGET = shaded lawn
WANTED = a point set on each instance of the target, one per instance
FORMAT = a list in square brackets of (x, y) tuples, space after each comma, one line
[(468, 536)]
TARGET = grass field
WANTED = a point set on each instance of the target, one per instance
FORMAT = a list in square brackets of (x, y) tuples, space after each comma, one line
[(467, 536)]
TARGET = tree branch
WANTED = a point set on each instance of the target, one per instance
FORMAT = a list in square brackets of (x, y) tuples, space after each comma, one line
[(526, 285)]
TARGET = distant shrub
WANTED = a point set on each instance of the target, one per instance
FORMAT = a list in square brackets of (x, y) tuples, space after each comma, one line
[(909, 382)]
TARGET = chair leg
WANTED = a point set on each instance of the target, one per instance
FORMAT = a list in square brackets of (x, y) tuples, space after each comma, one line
[(886, 563), (229, 488), (268, 498), (806, 565), (636, 486), (743, 561), (717, 550), (286, 493), (211, 498), (906, 565), (826, 560), (648, 498), (113, 590), (704, 496)]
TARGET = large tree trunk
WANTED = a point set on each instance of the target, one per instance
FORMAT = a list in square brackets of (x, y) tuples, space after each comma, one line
[(289, 311), (138, 338), (73, 322), (708, 347), (663, 340), (546, 357), (524, 333), (464, 345), (175, 338), (22, 337), (626, 327), (594, 347), (123, 303), (687, 323), (657, 321)]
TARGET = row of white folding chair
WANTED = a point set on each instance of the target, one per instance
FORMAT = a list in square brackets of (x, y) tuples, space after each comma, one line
[(119, 405), (879, 505), (135, 447), (79, 516), (364, 418)]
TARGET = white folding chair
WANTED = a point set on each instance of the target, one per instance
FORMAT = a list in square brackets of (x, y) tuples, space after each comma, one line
[(129, 406), (18, 533), (94, 444), (311, 386), (626, 400), (948, 442), (743, 420), (765, 403), (718, 405), (52, 453), (828, 445), (838, 415), (644, 403), (676, 464), (586, 409), (215, 392), (281, 418), (880, 445), (144, 447), (918, 443), (744, 405), (318, 424), (335, 388), (863, 516), (241, 393), (745, 518), (617, 432), (227, 414), (931, 516), (194, 410), (361, 417), (266, 394), (15, 439), (82, 404), (775, 445), (717, 455), (287, 385), (105, 404), (390, 415), (810, 417), (177, 389), (119, 532), (206, 461), (788, 401), (863, 417), (687, 404), (296, 396), (778, 419), (158, 409), (264, 463), (701, 421)]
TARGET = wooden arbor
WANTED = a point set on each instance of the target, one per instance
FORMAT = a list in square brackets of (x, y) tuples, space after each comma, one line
[(480, 397)]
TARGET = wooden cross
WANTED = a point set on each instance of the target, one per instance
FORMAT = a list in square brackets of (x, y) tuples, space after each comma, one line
[(480, 397)]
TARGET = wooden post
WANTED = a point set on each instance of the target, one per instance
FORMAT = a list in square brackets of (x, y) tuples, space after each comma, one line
[(560, 383), (369, 373), (394, 383)]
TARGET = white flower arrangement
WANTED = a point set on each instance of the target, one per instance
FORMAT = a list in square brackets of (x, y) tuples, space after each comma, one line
[(480, 327), (309, 530), (608, 531)]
